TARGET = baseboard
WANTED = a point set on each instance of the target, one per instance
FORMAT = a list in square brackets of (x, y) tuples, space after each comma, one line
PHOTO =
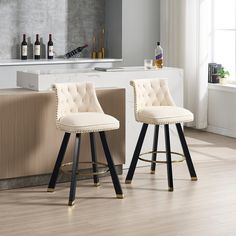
[(37, 180), (222, 131)]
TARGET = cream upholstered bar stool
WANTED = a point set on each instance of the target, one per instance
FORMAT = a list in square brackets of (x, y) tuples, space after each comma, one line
[(78, 111), (154, 105)]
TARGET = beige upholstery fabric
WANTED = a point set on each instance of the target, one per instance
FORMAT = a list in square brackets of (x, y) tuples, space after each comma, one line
[(78, 109), (154, 104), (84, 122), (164, 115)]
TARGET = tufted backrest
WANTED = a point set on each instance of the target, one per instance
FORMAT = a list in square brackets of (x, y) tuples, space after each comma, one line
[(151, 92), (76, 97)]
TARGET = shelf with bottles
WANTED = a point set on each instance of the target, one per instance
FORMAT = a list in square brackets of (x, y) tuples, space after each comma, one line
[(37, 51)]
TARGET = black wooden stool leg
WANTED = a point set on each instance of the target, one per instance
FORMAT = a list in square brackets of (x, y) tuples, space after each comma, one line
[(94, 159), (115, 179), (154, 149), (60, 157), (186, 153), (168, 158), (136, 154), (74, 170)]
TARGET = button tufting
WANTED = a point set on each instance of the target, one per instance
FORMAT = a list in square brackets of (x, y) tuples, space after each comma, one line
[(152, 92), (76, 97)]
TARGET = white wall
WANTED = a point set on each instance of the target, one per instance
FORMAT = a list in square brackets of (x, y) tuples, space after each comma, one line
[(140, 30), (71, 22), (113, 28)]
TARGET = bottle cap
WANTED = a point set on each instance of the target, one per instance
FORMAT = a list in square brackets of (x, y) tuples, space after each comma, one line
[(158, 43)]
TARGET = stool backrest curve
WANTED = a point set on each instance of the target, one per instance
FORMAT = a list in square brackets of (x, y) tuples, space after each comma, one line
[(76, 97), (151, 92)]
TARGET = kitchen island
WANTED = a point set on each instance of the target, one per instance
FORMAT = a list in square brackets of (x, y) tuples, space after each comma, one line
[(30, 140), (29, 137)]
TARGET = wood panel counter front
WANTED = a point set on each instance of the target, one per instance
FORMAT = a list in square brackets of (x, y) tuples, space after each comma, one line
[(29, 138)]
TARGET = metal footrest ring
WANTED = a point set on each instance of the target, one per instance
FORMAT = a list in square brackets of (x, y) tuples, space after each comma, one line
[(160, 161), (64, 168)]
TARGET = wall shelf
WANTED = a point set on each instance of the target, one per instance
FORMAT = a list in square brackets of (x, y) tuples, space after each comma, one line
[(18, 62)]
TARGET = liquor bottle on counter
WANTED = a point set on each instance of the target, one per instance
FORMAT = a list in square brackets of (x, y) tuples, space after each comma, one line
[(158, 56), (37, 48), (75, 52), (50, 47), (94, 53), (24, 49), (103, 43), (101, 52)]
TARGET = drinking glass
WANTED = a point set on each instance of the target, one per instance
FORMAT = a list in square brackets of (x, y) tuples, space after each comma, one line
[(148, 64)]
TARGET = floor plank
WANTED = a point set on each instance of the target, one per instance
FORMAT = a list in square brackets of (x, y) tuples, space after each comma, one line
[(206, 207)]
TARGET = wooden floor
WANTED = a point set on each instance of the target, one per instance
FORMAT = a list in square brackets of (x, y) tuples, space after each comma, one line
[(206, 207)]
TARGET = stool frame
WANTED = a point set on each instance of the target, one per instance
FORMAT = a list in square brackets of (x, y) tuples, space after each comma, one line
[(75, 165), (138, 148)]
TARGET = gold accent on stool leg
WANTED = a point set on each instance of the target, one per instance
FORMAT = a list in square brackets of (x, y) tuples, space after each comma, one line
[(97, 184), (194, 178), (152, 172), (120, 196), (71, 203), (128, 181), (51, 190), (171, 189)]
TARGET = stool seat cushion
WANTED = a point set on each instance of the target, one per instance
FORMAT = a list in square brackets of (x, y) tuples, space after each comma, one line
[(159, 115), (86, 122)]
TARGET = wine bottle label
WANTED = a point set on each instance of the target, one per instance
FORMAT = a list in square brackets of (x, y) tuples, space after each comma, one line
[(50, 51), (37, 50), (24, 50)]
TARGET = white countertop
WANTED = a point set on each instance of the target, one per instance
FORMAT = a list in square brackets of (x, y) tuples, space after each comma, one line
[(89, 70), (72, 71), (18, 62), (40, 80)]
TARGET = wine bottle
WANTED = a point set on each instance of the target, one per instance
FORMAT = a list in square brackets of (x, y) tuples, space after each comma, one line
[(75, 51), (24, 49), (50, 47), (37, 48)]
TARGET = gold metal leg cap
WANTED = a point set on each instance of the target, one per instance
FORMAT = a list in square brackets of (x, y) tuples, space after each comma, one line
[(120, 196), (171, 189), (194, 178), (128, 181), (51, 190), (71, 203), (152, 172), (96, 184)]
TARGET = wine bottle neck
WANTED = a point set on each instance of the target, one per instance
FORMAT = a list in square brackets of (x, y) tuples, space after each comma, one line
[(85, 46)]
